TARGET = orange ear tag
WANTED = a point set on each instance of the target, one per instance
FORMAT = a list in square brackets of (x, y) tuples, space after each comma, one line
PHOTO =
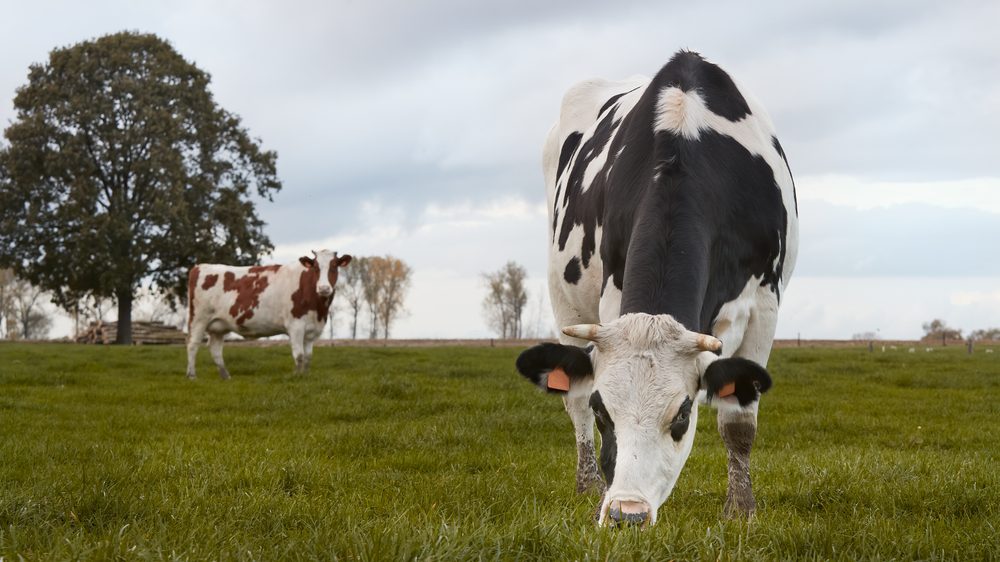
[(727, 390), (558, 380)]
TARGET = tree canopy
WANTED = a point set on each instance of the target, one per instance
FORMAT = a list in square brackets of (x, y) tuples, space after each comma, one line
[(122, 170), (937, 329)]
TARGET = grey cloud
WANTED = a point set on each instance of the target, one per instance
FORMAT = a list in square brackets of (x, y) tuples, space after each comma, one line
[(436, 101)]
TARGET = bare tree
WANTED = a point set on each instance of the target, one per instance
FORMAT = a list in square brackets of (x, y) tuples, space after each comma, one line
[(385, 280), (29, 318), (937, 330), (7, 280), (352, 290), (371, 288), (393, 279), (496, 313), (506, 299), (154, 306), (96, 309)]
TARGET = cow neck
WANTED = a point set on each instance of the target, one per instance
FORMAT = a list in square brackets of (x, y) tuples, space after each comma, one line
[(666, 268)]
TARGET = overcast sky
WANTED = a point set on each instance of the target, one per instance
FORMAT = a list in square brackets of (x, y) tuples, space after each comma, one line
[(415, 128)]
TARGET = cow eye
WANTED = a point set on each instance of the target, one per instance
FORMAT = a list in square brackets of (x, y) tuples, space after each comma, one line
[(679, 425)]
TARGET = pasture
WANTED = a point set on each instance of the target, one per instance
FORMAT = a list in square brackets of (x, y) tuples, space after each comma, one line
[(446, 454)]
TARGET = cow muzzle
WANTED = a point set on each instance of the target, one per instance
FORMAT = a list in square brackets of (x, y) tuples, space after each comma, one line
[(629, 513), (324, 290)]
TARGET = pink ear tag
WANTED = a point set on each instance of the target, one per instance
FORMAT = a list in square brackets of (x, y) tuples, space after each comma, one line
[(558, 380), (727, 390)]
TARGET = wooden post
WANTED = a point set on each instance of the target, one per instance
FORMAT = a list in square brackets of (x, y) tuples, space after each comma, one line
[(970, 346)]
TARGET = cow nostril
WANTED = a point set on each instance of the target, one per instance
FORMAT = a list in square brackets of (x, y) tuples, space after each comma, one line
[(629, 512)]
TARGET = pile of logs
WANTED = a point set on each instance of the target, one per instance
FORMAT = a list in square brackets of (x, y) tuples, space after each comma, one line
[(143, 333)]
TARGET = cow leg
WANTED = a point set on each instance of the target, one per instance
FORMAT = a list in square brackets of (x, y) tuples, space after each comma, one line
[(215, 344), (307, 348), (577, 400), (738, 428), (738, 431), (196, 333), (296, 337), (577, 403)]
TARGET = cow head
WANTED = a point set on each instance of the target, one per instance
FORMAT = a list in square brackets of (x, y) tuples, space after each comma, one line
[(326, 262), (647, 374)]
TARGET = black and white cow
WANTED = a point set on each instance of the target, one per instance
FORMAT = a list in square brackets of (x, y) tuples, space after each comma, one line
[(673, 216)]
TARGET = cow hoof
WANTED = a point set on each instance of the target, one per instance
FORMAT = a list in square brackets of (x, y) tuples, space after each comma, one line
[(591, 484), (739, 509), (191, 377)]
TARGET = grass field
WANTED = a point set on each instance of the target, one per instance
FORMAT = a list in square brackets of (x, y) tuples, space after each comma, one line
[(445, 454)]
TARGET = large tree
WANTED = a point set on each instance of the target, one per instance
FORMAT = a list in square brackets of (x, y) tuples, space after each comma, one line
[(121, 170)]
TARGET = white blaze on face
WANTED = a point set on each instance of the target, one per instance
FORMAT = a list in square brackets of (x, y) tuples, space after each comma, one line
[(646, 380), (325, 259)]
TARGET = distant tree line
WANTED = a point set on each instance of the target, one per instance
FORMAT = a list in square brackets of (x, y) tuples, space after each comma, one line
[(985, 334), (374, 289), (937, 330)]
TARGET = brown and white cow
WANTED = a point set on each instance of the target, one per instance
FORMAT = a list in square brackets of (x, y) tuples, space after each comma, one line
[(261, 301)]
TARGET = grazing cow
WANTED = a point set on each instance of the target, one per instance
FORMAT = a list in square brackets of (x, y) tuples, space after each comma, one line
[(261, 301), (673, 216)]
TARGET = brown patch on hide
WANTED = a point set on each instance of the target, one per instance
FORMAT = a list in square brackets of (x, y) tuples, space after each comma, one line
[(192, 285), (305, 299), (210, 281), (248, 289), (265, 268), (333, 273)]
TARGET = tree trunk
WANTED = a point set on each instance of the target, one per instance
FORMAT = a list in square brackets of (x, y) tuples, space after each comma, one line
[(124, 336), (354, 325)]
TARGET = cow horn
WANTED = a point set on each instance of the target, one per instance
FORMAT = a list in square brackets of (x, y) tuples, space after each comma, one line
[(582, 331), (708, 343)]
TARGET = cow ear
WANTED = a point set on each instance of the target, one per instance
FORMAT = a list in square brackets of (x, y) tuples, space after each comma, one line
[(735, 377), (308, 262), (554, 367), (344, 260)]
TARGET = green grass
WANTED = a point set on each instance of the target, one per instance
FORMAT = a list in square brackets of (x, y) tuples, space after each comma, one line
[(445, 454)]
